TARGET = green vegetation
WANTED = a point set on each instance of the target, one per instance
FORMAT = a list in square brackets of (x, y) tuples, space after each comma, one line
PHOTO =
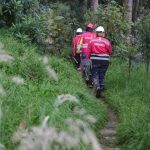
[(35, 99), (50, 25), (143, 27), (114, 21), (130, 98)]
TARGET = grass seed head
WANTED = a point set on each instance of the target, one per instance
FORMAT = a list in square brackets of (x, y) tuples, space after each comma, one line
[(67, 139), (19, 135), (2, 147), (18, 80), (90, 118), (76, 122), (93, 140), (44, 123), (85, 133), (66, 97), (80, 123), (51, 72), (2, 91), (1, 46), (85, 138), (45, 60), (39, 138), (80, 111), (5, 58)]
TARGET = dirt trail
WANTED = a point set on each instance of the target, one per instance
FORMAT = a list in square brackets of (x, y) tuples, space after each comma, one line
[(107, 135), (108, 138)]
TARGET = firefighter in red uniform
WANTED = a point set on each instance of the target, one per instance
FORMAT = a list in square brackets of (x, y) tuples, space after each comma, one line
[(76, 47), (85, 59), (86, 38), (100, 50)]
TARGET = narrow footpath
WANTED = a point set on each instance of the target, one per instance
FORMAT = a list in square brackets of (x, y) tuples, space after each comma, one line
[(108, 137)]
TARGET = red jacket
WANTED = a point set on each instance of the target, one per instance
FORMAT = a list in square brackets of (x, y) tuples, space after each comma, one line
[(86, 38), (76, 45), (100, 48)]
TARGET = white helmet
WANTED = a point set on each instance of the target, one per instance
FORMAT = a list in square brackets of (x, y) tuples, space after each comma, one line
[(79, 30), (100, 29)]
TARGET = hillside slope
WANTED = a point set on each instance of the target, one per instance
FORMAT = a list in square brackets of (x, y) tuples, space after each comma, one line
[(29, 90)]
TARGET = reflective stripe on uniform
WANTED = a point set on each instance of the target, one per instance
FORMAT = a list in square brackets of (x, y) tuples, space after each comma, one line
[(99, 58), (84, 45), (79, 46), (99, 55), (100, 40)]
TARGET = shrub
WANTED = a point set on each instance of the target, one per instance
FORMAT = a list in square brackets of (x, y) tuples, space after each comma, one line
[(48, 25), (112, 19)]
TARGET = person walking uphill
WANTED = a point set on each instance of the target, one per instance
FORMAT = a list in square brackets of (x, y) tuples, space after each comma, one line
[(85, 60), (100, 50), (76, 47), (86, 37)]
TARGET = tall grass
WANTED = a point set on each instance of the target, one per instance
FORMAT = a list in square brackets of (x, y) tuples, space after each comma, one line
[(131, 98), (33, 99)]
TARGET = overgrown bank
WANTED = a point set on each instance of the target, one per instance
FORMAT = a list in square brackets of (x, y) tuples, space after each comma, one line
[(130, 98), (33, 99)]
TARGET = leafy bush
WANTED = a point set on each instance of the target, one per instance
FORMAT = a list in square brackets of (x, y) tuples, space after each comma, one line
[(112, 19), (13, 10), (9, 11), (59, 28), (49, 25)]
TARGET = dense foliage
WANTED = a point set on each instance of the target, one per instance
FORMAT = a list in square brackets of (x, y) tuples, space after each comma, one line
[(50, 24), (143, 32), (131, 100), (114, 21)]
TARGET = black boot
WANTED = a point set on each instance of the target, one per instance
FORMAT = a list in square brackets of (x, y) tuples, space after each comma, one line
[(98, 92)]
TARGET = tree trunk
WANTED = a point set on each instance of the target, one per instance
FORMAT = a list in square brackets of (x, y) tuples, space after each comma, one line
[(130, 5), (94, 5), (135, 9), (141, 2)]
